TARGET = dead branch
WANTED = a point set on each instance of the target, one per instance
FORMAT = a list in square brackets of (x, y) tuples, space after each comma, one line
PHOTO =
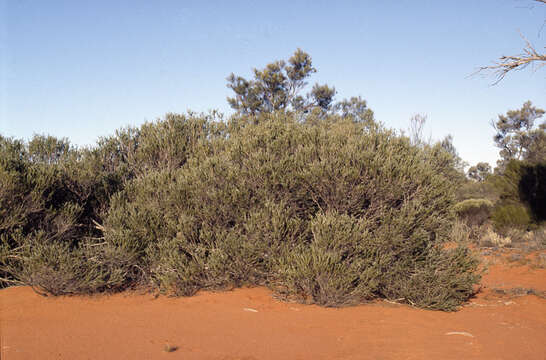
[(505, 64)]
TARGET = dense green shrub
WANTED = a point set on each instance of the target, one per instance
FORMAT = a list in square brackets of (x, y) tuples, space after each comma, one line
[(507, 182), (475, 212), (471, 189), (163, 144), (522, 189), (328, 213), (58, 194), (532, 189), (50, 198), (56, 267), (511, 215)]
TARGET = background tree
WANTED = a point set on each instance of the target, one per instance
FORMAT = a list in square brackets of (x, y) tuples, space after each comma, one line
[(517, 137), (536, 152), (417, 124), (456, 165), (479, 172), (48, 149), (278, 87), (356, 109)]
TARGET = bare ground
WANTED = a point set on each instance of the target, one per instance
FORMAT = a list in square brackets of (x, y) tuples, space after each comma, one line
[(506, 320)]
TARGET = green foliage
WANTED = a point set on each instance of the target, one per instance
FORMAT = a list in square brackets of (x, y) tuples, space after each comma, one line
[(330, 213), (316, 200), (166, 143), (536, 151), (443, 152), (532, 189), (478, 190), (54, 267), (50, 196), (441, 282), (355, 109), (474, 212), (277, 88), (524, 183), (337, 267), (48, 149), (447, 157), (58, 194), (518, 138), (511, 215), (480, 172)]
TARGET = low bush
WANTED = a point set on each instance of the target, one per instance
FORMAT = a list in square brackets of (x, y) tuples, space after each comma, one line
[(54, 267), (511, 215), (50, 196), (532, 189), (493, 239), (471, 189), (475, 212), (525, 183), (326, 211), (53, 196)]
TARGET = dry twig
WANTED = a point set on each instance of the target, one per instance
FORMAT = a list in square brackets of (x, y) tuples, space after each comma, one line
[(505, 64)]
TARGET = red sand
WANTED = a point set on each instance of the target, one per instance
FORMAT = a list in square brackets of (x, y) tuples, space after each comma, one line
[(249, 324)]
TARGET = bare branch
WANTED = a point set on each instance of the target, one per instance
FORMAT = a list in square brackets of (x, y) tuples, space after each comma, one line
[(505, 64)]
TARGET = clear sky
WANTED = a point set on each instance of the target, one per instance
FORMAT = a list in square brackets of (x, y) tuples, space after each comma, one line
[(81, 69)]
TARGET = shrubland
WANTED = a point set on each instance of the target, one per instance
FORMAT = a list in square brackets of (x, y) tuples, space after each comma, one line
[(330, 211), (507, 206), (314, 199)]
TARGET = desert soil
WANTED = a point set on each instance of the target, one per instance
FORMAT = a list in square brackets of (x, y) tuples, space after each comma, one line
[(250, 324)]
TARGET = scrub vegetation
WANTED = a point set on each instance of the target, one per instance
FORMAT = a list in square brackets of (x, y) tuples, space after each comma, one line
[(312, 198)]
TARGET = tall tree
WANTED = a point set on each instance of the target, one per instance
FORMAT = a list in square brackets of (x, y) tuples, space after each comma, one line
[(356, 109), (278, 87), (479, 172), (517, 137)]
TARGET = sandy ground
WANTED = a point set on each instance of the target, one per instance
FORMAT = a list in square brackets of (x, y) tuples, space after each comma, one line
[(248, 324)]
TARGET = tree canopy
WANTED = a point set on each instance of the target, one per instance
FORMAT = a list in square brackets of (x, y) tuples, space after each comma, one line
[(517, 136), (278, 87), (479, 172)]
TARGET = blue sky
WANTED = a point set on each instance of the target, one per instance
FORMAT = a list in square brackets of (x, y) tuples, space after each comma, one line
[(81, 69)]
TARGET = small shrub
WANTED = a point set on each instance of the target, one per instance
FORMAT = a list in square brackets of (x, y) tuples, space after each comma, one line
[(475, 212), (493, 239), (48, 191), (510, 215), (525, 183), (479, 190), (340, 266), (461, 233), (56, 268), (442, 281)]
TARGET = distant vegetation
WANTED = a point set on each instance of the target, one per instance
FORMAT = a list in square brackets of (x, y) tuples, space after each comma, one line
[(517, 187), (312, 198)]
